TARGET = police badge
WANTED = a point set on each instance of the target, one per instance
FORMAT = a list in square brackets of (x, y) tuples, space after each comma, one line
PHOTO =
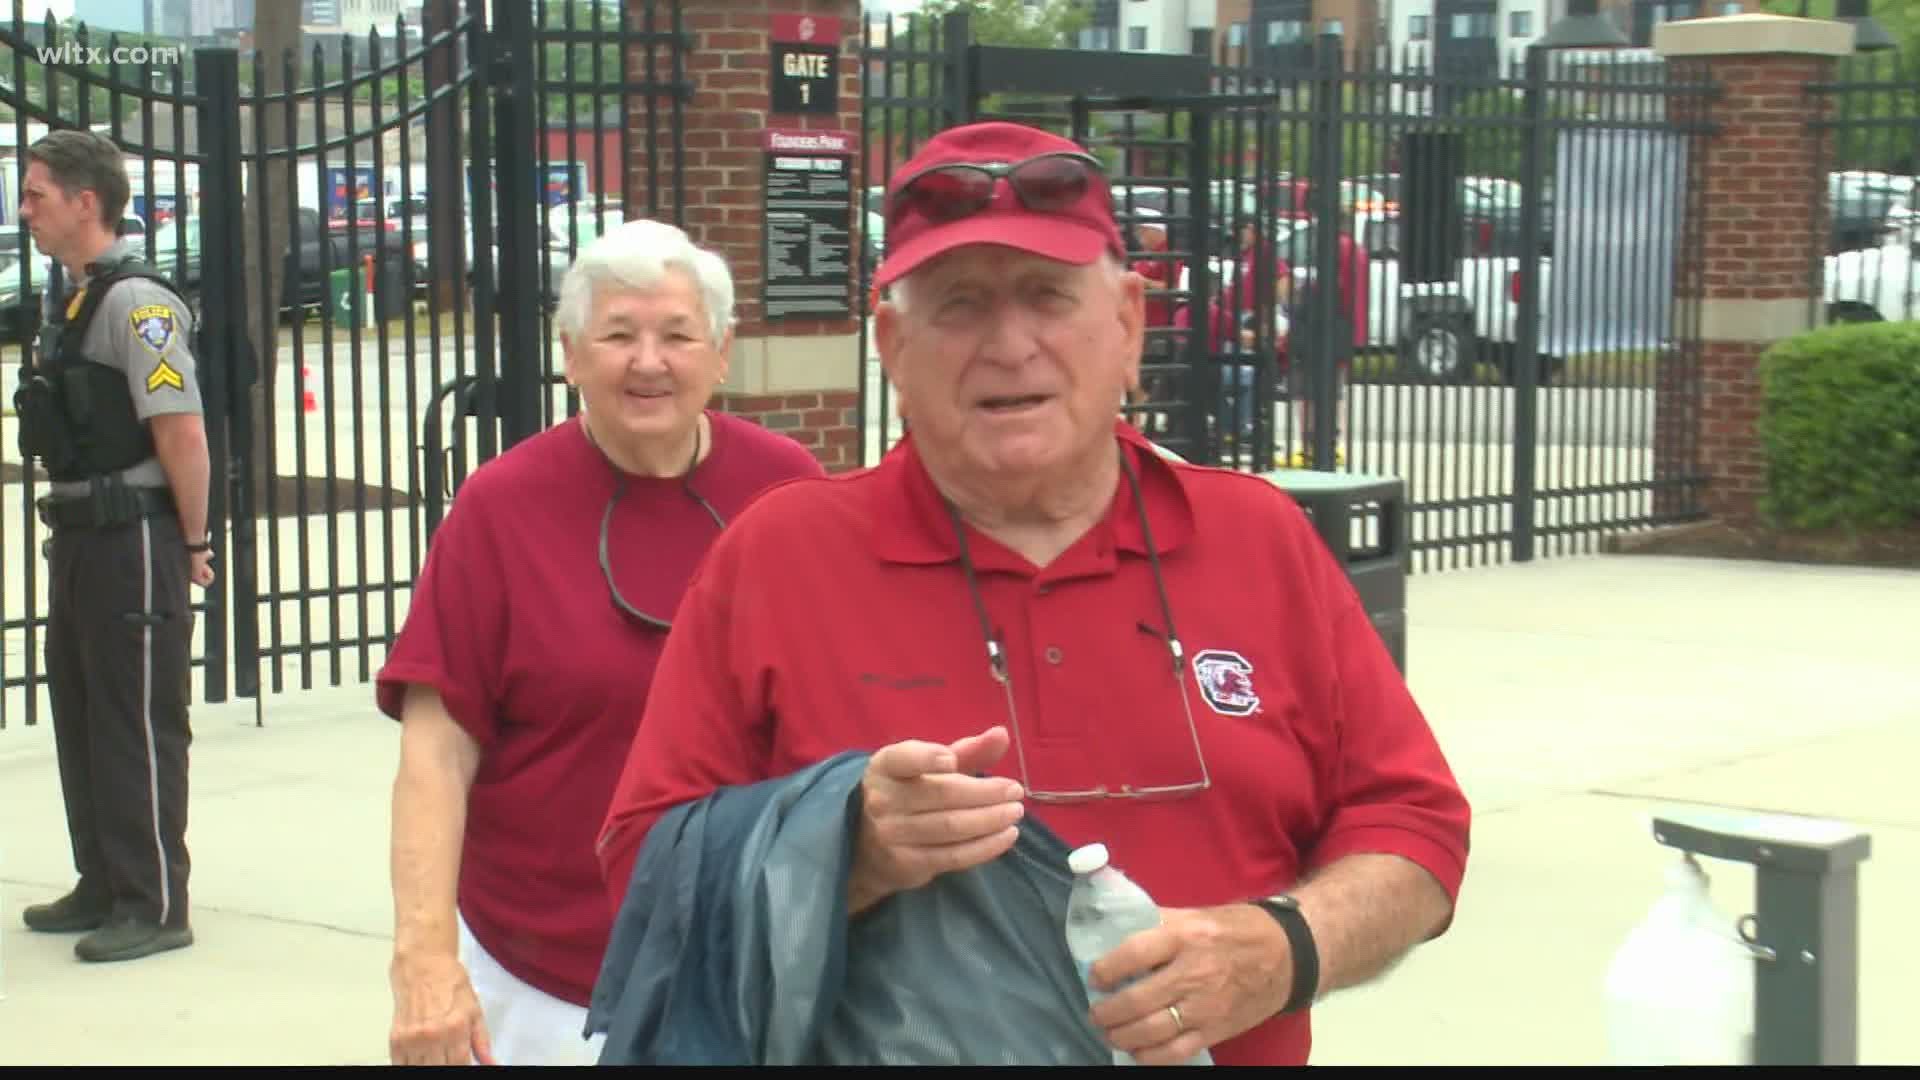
[(153, 324)]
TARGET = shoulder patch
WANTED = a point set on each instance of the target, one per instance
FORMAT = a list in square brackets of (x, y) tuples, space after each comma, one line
[(154, 325), (163, 375)]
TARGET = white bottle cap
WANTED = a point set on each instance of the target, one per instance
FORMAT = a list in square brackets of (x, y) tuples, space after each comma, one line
[(1087, 859)]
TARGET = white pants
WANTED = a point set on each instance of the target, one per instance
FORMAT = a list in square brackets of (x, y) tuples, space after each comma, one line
[(526, 1025)]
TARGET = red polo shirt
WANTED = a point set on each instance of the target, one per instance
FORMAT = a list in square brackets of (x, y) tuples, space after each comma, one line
[(513, 623), (834, 615)]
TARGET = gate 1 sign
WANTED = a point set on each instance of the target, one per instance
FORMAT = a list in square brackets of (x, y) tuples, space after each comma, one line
[(806, 64), (808, 242)]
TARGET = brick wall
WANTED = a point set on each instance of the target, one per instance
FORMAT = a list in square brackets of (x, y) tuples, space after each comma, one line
[(824, 422), (1729, 410), (1760, 216), (1761, 184), (729, 67)]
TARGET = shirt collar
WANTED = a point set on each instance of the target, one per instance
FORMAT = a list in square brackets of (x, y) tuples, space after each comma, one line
[(118, 251), (911, 523)]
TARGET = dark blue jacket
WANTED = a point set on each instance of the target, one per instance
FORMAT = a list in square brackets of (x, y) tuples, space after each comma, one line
[(733, 945)]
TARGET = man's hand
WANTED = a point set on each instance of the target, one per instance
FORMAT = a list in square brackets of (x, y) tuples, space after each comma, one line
[(200, 568), (436, 1017), (1227, 969), (925, 813)]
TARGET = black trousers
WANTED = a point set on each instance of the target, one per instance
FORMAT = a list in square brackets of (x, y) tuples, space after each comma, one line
[(119, 634)]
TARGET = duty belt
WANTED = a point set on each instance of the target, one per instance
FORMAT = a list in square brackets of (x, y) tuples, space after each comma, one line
[(105, 506)]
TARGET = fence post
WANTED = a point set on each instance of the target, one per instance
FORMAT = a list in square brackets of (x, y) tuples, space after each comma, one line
[(1758, 219), (225, 380), (956, 39), (1203, 381), (521, 385), (1327, 214), (1526, 349)]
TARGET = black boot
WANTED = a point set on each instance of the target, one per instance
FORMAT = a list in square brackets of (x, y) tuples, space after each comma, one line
[(76, 911), (128, 938)]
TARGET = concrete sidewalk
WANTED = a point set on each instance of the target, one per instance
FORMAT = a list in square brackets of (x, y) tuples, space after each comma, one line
[(1573, 695)]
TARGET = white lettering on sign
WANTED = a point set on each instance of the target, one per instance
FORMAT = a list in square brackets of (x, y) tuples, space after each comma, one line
[(831, 142), (805, 66)]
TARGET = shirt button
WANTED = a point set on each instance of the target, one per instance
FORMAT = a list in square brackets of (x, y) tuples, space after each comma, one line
[(1045, 589), (1053, 654)]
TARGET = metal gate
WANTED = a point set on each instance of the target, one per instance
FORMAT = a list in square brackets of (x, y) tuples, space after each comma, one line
[(435, 181), (1509, 248)]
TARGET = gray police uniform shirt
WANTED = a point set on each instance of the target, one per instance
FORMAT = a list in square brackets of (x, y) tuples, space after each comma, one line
[(141, 329)]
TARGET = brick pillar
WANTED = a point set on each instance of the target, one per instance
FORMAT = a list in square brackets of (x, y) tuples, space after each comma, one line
[(1761, 219), (795, 375)]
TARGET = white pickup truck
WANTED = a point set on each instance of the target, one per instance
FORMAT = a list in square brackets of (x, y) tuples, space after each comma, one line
[(1435, 328), (1875, 283)]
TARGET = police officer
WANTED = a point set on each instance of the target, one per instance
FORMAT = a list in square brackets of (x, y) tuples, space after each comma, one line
[(112, 411)]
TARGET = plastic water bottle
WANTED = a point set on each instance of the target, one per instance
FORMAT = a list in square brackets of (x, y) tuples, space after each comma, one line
[(1680, 989), (1105, 909)]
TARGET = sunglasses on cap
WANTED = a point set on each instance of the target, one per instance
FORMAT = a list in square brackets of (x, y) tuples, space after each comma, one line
[(1045, 184)]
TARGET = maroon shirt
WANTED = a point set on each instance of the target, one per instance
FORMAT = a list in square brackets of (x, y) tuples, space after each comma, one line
[(512, 622), (834, 616)]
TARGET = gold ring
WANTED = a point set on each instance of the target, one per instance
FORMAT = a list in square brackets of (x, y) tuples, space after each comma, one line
[(1179, 1025)]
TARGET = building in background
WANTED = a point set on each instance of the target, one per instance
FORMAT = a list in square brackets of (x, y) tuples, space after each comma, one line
[(112, 16), (181, 20)]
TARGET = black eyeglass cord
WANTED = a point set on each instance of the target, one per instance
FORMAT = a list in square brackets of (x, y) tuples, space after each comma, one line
[(606, 520), (996, 655)]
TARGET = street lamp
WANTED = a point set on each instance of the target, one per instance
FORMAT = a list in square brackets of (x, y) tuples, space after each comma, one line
[(1583, 27), (1868, 34)]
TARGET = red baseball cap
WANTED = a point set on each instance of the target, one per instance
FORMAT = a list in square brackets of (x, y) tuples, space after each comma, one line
[(1076, 233)]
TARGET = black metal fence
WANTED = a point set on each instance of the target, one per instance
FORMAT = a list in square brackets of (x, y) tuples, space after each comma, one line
[(1507, 249), (428, 188), (1863, 268)]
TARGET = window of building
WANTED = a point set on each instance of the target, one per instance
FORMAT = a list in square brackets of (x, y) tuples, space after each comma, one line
[(1416, 28), (1732, 7), (1333, 26), (1137, 38), (1520, 24), (1477, 24), (1097, 37), (1285, 31), (1237, 35)]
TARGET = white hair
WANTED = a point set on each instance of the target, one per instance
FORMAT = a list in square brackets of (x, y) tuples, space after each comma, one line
[(637, 254), (897, 292)]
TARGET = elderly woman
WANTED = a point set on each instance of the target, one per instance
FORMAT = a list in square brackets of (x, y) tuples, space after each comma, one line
[(524, 665)]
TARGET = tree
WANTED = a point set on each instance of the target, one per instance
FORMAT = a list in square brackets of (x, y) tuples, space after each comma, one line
[(1876, 87), (276, 38), (1048, 24), (591, 73)]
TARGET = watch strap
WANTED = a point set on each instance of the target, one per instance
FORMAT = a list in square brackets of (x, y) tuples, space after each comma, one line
[(1306, 954)]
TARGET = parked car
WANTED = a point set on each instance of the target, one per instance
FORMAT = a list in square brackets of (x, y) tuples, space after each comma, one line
[(315, 251), (1874, 284)]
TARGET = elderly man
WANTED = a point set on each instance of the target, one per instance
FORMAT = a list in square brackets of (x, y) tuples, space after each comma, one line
[(1025, 610)]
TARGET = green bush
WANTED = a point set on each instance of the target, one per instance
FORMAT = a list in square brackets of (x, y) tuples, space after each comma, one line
[(1840, 424)]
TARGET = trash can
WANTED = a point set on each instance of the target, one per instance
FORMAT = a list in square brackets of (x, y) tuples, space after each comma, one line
[(1362, 521), (393, 286), (346, 293)]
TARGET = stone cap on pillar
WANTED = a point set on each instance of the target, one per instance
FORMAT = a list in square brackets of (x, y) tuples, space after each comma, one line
[(1745, 35)]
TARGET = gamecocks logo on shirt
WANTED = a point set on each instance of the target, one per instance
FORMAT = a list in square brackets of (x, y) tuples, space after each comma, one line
[(1226, 681)]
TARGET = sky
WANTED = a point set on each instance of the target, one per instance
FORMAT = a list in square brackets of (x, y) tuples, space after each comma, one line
[(37, 9)]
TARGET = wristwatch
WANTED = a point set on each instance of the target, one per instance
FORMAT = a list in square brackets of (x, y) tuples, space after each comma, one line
[(203, 546), (1306, 955)]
